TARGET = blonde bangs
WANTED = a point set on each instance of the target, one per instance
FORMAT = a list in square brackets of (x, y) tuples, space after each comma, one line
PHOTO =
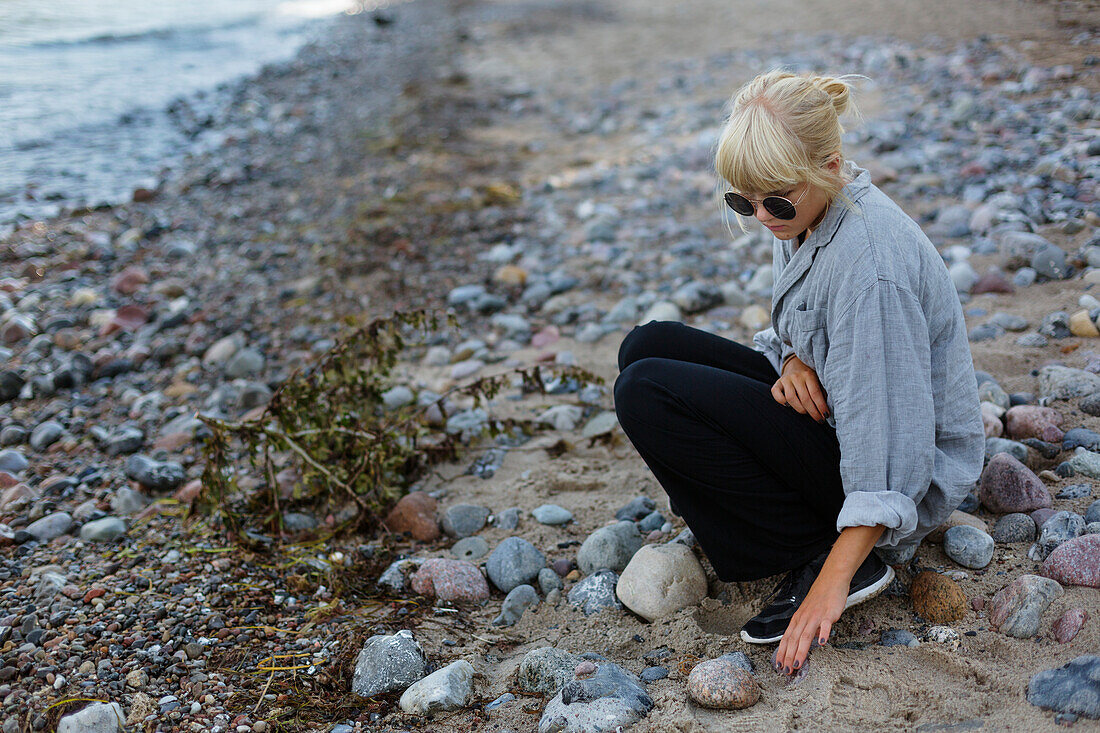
[(757, 154)]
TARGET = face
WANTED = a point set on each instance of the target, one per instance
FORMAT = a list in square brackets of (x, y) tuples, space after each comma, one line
[(807, 211)]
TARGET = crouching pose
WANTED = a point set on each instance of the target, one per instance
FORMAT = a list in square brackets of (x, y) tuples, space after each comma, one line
[(854, 423)]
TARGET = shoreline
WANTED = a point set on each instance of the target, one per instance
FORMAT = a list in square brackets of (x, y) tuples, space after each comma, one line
[(557, 158)]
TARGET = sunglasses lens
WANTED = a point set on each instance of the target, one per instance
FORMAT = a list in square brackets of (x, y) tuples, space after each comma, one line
[(779, 207), (739, 204)]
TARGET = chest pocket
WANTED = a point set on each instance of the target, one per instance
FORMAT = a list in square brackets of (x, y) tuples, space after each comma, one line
[(809, 337)]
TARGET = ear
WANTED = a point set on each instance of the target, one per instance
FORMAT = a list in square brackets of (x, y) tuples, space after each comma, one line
[(834, 163)]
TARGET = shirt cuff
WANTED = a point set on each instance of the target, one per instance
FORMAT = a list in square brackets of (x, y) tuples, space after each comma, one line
[(892, 509)]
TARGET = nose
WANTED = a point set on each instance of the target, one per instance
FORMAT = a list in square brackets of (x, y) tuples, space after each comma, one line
[(762, 215)]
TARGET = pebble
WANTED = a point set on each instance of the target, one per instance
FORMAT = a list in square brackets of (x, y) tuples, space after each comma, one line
[(1081, 438), (500, 701), (103, 530), (595, 593), (562, 417), (899, 637), (1092, 514), (944, 635), (549, 581), (662, 310), (652, 674), (1062, 526), (470, 548), (1015, 527), (507, 519), (388, 663), (544, 671), (1069, 624), (154, 475), (1029, 421), (464, 520), (1075, 562), (1065, 383), (660, 580), (1085, 462), (937, 598), (414, 513), (514, 562), (449, 688), (1072, 688), (609, 547), (450, 580), (955, 519), (635, 509), (99, 717), (50, 526), (45, 435), (1017, 608), (1074, 491), (1009, 486), (12, 461), (518, 600), (722, 684), (602, 424), (968, 546), (609, 699), (552, 514)]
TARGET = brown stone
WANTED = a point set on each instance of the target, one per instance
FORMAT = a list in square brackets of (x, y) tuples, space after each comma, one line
[(1009, 486), (956, 519), (1030, 421), (129, 281), (1066, 627), (937, 598), (415, 514), (722, 684), (172, 442)]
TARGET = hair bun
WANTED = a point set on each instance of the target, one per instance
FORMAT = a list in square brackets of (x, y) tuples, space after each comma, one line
[(839, 92)]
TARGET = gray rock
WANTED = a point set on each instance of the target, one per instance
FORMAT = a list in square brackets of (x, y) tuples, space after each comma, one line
[(1085, 462), (963, 276), (595, 593), (609, 700), (298, 522), (1032, 340), (635, 509), (125, 440), (1072, 688), (1017, 608), (46, 434), (990, 391), (697, 296), (552, 514), (244, 363), (609, 547), (549, 581), (1024, 277), (985, 332), (625, 311), (1009, 321), (464, 520), (449, 688), (1063, 383), (1050, 262), (13, 435), (652, 674), (507, 519), (1017, 450), (254, 394), (470, 548), (899, 637), (562, 417), (465, 294), (152, 474), (103, 530), (99, 717), (601, 424), (126, 501), (469, 422), (397, 397), (513, 325), (1015, 527), (388, 663), (502, 700), (544, 671), (1075, 491), (395, 576), (1056, 325), (1092, 528), (518, 600), (662, 310), (12, 461), (50, 526), (1092, 514), (968, 546), (650, 522), (1081, 438), (1061, 527), (514, 562)]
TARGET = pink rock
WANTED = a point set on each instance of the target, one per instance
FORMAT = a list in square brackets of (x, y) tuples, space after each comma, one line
[(415, 514), (1069, 624), (7, 480), (127, 318), (1075, 562), (545, 337), (15, 330), (450, 580), (992, 281), (1029, 421), (1016, 609), (585, 667), (17, 496), (994, 428), (129, 281), (1040, 517), (1009, 486)]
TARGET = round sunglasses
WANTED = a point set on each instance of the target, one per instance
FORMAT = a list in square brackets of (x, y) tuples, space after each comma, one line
[(777, 206)]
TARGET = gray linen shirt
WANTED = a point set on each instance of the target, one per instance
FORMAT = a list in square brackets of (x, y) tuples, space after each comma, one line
[(866, 302)]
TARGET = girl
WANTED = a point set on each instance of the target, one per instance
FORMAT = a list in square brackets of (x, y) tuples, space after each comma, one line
[(854, 424)]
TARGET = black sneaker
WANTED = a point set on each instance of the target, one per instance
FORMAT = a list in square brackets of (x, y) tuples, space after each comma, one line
[(769, 625)]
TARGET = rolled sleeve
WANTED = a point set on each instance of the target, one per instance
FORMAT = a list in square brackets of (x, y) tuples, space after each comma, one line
[(768, 343), (878, 378)]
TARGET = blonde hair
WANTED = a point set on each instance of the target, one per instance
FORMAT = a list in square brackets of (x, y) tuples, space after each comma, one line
[(783, 129)]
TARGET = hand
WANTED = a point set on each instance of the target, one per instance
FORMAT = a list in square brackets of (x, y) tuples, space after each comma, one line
[(799, 387), (812, 622)]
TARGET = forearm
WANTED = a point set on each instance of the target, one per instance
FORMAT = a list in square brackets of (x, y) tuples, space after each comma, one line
[(849, 551)]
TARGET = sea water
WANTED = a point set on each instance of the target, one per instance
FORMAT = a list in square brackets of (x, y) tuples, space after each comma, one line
[(84, 85)]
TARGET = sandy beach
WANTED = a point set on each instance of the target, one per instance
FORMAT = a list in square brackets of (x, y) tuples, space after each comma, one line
[(428, 147)]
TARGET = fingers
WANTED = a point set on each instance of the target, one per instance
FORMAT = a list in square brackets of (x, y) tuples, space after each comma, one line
[(823, 632), (777, 392), (818, 396), (808, 402)]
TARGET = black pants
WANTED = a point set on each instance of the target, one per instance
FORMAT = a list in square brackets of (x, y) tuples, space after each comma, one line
[(758, 483)]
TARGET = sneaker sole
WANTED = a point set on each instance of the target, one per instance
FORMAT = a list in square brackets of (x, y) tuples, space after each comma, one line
[(864, 594)]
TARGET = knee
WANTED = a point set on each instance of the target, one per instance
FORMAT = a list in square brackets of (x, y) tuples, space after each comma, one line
[(632, 387), (650, 339)]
